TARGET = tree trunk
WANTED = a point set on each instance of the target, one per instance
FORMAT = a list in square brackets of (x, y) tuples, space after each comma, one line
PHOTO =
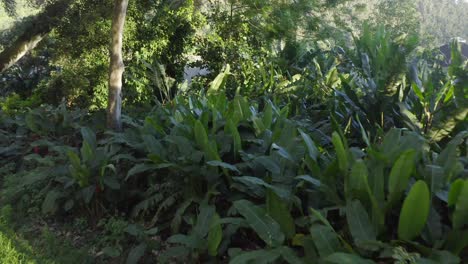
[(116, 68), (33, 33)]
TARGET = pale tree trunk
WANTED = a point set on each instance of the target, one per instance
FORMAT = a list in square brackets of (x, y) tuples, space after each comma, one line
[(116, 68), (34, 33)]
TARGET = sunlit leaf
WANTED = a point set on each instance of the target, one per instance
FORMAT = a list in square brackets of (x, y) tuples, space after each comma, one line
[(415, 210)]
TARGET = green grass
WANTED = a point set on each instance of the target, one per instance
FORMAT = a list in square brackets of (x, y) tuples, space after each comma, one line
[(12, 253), (21, 247)]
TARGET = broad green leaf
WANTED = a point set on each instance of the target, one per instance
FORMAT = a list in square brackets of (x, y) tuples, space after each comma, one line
[(241, 109), (321, 218), (289, 255), (460, 215), (358, 185), (89, 136), (410, 118), (400, 174), (177, 219), (282, 152), (74, 159), (418, 92), (153, 231), (284, 112), (232, 130), (215, 235), (88, 193), (87, 153), (455, 190), (204, 220), (313, 151), (261, 256), (193, 242), (49, 205), (255, 181), (359, 223), (415, 210), (268, 115), (154, 147), (457, 241), (258, 125), (134, 230), (364, 134), (257, 218), (448, 158), (211, 151), (344, 258), (390, 141), (278, 210), (325, 239), (269, 163), (219, 81), (171, 253), (30, 121), (309, 179), (448, 123), (112, 252), (139, 168), (200, 135), (111, 182), (136, 253), (224, 165), (442, 256), (123, 156), (340, 152)]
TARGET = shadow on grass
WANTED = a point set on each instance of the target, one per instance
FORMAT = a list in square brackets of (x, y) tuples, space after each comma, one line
[(15, 249)]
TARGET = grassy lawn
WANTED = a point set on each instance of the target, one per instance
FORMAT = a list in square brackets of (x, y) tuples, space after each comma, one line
[(18, 247), (12, 250)]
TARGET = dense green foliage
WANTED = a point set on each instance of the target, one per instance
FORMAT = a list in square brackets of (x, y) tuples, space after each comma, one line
[(301, 145)]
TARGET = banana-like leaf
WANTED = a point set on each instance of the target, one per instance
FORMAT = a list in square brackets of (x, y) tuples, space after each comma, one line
[(278, 210), (204, 220), (89, 136), (220, 80), (358, 185), (49, 205), (224, 165), (268, 116), (255, 181), (344, 258), (325, 239), (269, 164), (400, 175), (136, 253), (258, 125), (87, 152), (455, 190), (143, 167), (340, 152), (261, 256), (444, 125), (415, 210), (257, 218), (215, 235), (200, 135), (359, 223), (314, 153), (460, 215), (237, 141)]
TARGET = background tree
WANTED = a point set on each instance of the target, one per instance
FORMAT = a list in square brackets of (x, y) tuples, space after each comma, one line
[(34, 32), (116, 67)]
